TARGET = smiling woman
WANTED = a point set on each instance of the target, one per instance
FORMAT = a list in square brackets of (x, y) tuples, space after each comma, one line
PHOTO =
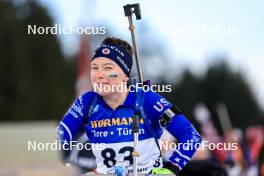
[(107, 117), (113, 57)]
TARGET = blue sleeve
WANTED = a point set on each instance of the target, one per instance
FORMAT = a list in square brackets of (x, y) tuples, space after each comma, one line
[(180, 127), (74, 119), (155, 105), (188, 140)]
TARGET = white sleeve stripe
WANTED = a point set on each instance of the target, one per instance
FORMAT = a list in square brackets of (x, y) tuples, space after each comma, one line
[(184, 156), (67, 129)]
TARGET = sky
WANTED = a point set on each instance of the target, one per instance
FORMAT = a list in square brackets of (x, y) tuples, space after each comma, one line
[(193, 31)]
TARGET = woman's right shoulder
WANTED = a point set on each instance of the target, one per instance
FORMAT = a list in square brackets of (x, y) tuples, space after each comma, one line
[(85, 99), (88, 95)]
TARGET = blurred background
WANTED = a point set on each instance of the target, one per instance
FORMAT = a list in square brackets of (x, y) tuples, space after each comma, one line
[(211, 52)]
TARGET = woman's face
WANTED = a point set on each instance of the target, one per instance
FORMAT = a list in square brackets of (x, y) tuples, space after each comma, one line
[(106, 74)]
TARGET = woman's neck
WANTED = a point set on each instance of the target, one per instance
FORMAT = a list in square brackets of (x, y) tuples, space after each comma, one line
[(116, 99)]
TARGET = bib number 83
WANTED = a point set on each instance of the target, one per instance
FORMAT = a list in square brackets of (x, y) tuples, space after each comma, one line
[(109, 156)]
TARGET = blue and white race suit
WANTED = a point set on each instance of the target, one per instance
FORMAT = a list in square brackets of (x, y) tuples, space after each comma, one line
[(111, 136)]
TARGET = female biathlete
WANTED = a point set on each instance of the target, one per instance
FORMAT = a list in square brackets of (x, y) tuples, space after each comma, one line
[(107, 116)]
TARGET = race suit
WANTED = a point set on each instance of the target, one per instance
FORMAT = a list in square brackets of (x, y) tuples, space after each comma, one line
[(111, 136)]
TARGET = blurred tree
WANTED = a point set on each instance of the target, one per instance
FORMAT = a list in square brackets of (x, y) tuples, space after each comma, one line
[(218, 84), (221, 84), (36, 79)]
